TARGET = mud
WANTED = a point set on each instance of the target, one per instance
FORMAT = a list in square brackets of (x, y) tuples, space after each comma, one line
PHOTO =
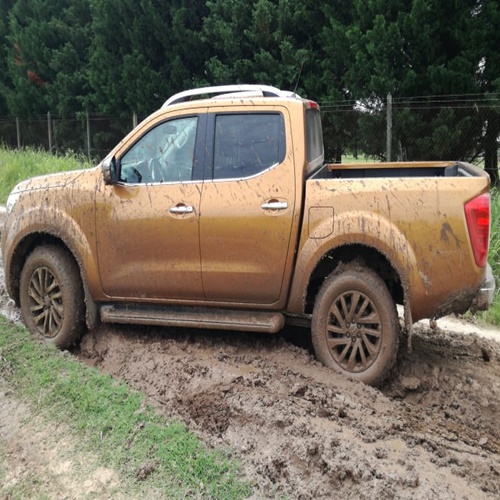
[(302, 432), (430, 432)]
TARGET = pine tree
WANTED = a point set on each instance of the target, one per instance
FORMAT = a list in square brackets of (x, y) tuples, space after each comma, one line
[(47, 56), (5, 6), (142, 52), (404, 47)]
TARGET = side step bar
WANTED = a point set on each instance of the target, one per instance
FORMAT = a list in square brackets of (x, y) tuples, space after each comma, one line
[(193, 317)]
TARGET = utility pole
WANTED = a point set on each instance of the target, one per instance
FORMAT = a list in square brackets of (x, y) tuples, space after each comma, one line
[(389, 128)]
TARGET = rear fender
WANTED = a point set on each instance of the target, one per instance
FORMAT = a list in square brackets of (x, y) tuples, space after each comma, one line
[(354, 228)]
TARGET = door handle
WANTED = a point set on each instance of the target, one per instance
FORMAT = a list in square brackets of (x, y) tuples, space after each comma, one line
[(275, 205), (181, 209)]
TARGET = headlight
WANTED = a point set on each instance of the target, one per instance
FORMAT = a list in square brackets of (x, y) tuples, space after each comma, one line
[(11, 201)]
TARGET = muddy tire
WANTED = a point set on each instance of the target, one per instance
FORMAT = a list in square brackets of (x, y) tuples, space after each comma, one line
[(355, 328), (51, 295)]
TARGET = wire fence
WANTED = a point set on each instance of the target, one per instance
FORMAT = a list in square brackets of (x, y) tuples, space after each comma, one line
[(90, 135), (454, 127)]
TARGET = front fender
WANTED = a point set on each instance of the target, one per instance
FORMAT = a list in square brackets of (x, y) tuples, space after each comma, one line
[(28, 224)]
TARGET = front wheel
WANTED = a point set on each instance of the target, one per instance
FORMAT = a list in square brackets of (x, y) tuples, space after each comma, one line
[(51, 295), (355, 328)]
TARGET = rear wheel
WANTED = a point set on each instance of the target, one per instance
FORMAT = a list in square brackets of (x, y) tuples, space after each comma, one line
[(51, 295), (355, 328)]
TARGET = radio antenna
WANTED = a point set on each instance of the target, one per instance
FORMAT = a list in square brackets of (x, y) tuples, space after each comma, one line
[(299, 75)]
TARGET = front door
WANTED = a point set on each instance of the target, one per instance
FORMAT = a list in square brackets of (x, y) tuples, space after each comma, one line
[(148, 223)]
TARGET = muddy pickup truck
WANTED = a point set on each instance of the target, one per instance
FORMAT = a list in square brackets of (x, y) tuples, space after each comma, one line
[(218, 211)]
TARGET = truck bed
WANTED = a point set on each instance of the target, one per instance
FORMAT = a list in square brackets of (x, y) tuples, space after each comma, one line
[(396, 169), (412, 214)]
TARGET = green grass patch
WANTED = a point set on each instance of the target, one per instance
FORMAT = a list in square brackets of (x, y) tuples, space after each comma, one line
[(349, 158), (17, 165), (114, 422), (494, 255), (492, 315)]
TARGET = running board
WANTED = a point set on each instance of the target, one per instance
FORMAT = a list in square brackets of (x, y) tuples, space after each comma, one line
[(194, 317)]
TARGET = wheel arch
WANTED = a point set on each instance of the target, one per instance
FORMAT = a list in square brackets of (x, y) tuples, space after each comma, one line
[(354, 255), (21, 253)]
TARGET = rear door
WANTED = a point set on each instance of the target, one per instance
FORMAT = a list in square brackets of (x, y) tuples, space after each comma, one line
[(247, 205)]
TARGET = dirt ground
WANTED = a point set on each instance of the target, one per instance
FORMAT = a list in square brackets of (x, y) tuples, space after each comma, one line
[(302, 432), (47, 467)]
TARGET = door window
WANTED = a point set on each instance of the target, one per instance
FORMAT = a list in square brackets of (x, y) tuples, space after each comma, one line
[(247, 144), (163, 154)]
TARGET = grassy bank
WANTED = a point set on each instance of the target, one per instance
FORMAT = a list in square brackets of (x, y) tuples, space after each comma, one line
[(492, 315), (17, 165), (114, 423)]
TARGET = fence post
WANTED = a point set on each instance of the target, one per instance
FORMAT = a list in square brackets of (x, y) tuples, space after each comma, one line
[(49, 128), (88, 134), (389, 128), (18, 132), (134, 120)]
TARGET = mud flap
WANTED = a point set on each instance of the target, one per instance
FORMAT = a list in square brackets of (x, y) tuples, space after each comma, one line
[(408, 323)]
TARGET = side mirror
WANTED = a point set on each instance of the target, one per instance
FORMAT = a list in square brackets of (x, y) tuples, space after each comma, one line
[(110, 170)]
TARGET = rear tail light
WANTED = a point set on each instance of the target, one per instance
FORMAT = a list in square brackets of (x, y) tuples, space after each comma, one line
[(477, 214)]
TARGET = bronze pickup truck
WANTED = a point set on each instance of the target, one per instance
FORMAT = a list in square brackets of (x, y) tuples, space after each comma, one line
[(218, 211)]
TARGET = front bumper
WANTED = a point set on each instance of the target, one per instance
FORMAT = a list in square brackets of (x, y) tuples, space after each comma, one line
[(484, 296)]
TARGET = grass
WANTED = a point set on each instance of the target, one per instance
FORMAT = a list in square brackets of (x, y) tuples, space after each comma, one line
[(17, 165), (349, 158), (492, 315), (114, 422)]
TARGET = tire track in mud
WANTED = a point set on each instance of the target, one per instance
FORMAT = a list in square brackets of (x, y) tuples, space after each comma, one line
[(301, 431)]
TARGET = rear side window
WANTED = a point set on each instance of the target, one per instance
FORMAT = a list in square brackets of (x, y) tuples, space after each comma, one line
[(247, 143), (314, 139)]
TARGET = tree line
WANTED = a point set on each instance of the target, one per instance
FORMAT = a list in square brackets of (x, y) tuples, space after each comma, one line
[(118, 57)]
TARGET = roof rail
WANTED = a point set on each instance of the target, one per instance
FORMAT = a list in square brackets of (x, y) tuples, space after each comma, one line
[(230, 90)]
